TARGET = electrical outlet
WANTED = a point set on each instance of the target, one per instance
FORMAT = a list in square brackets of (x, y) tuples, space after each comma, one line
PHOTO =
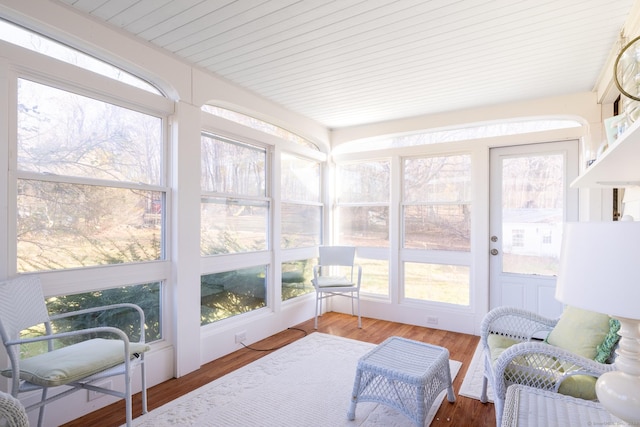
[(241, 337), (92, 395), (432, 320)]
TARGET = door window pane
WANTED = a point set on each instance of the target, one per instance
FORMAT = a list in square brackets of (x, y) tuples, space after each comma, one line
[(532, 213)]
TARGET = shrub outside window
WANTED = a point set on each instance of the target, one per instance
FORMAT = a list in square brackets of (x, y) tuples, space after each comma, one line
[(230, 293)]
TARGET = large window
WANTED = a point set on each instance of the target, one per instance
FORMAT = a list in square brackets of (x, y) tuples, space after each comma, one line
[(436, 223), (89, 181), (234, 209), (235, 213), (362, 218), (362, 197), (436, 205), (301, 218), (36, 42)]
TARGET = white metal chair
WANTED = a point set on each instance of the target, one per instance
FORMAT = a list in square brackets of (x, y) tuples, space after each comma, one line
[(78, 366), (337, 275)]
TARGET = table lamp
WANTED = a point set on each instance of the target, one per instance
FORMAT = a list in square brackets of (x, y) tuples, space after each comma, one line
[(600, 271)]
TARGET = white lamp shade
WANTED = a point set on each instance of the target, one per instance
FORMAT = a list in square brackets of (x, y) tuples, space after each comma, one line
[(600, 267)]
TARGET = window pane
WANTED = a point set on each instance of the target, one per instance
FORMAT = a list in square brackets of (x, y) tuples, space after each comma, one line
[(375, 276), (230, 167), (460, 134), (437, 179), (67, 225), (366, 182), (147, 296), (227, 294), (67, 134), (38, 43), (532, 211), (296, 278), (300, 179), (301, 225), (364, 226), (257, 124), (437, 282), (232, 225), (437, 227)]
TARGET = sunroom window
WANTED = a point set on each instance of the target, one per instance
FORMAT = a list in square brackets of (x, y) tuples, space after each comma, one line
[(362, 218), (436, 228), (463, 133), (89, 181), (300, 221), (38, 43), (234, 206), (258, 124)]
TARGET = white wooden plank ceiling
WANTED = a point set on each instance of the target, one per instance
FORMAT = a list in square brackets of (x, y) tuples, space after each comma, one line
[(351, 62)]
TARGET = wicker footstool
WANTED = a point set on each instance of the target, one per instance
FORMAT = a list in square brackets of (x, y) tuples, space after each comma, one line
[(404, 374)]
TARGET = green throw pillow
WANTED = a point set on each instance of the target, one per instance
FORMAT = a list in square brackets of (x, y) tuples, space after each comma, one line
[(606, 347), (580, 331)]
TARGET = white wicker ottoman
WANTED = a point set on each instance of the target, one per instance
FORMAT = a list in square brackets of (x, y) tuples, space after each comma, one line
[(404, 374)]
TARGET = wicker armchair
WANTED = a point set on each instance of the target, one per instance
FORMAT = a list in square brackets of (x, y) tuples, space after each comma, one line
[(12, 413), (530, 361)]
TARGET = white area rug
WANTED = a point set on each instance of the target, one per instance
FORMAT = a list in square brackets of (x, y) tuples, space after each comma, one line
[(306, 383), (472, 382)]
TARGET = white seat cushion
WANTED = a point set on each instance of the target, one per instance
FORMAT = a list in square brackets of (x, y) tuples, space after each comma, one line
[(74, 362)]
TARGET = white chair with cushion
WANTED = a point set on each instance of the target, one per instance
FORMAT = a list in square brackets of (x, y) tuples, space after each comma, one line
[(76, 366), (337, 275), (564, 355)]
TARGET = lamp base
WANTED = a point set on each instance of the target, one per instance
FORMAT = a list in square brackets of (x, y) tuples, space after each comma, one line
[(619, 393), (619, 390)]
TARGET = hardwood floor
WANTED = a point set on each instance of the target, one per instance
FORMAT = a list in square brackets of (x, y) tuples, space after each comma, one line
[(464, 412)]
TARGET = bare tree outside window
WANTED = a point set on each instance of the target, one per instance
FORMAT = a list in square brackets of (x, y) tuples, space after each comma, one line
[(89, 176)]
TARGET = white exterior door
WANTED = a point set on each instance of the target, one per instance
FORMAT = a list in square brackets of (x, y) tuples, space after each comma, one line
[(530, 200)]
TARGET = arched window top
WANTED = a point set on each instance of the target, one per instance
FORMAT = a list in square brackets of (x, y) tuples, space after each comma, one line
[(38, 43), (486, 130), (257, 124)]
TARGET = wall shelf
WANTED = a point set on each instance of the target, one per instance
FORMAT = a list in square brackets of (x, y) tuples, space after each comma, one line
[(618, 166)]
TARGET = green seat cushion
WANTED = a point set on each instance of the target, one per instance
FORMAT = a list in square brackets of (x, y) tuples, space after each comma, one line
[(498, 344), (74, 362), (581, 386), (580, 331)]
